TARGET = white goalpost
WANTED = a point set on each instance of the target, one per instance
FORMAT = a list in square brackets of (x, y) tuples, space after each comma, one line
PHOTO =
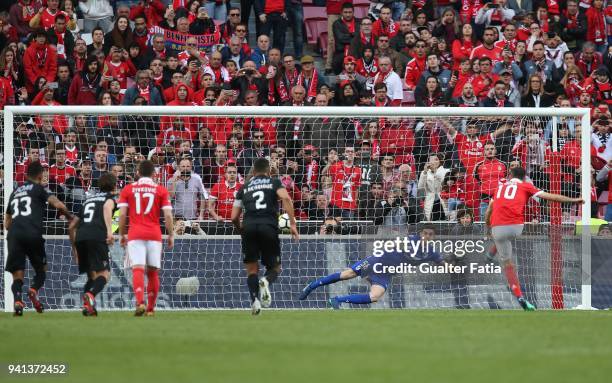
[(205, 271)]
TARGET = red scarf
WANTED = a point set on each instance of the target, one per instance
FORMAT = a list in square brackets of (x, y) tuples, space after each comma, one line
[(365, 40), (145, 93), (41, 55), (382, 76), (350, 25), (553, 7), (434, 140), (468, 10), (312, 87), (60, 41), (291, 77), (501, 103), (572, 21), (280, 89), (544, 24)]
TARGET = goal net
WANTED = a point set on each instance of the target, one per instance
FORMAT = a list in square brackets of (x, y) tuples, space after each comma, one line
[(357, 176)]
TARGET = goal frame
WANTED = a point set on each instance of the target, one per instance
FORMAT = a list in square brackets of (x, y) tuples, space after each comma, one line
[(287, 111)]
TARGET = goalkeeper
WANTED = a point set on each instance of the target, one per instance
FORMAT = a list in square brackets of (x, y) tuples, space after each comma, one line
[(371, 269)]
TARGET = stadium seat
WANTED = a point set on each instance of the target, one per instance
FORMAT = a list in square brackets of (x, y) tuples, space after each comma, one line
[(361, 11), (323, 44), (357, 3), (315, 21)]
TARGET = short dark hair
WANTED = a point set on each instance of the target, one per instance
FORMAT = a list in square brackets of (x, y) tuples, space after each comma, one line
[(347, 5), (428, 227), (518, 172), (146, 168), (380, 85), (35, 169), (261, 165), (107, 182)]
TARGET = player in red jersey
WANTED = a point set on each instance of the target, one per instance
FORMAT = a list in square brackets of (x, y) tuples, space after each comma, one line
[(505, 219), (141, 202)]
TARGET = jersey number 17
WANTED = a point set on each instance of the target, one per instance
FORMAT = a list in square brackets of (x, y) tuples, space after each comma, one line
[(149, 197)]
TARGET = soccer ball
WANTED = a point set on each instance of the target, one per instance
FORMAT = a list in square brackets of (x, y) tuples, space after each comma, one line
[(283, 222)]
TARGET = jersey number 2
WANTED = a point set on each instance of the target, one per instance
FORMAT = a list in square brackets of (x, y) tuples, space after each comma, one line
[(27, 208), (259, 202), (509, 192), (150, 197)]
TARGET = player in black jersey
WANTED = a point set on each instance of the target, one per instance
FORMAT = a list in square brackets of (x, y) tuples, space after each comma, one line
[(258, 197), (24, 224), (90, 233)]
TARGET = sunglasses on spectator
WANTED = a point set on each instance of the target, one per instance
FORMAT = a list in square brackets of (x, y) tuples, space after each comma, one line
[(235, 14)]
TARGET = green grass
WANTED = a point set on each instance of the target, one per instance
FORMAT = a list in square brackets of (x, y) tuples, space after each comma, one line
[(317, 346)]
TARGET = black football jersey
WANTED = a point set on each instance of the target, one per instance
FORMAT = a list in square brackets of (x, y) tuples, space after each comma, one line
[(28, 207), (259, 200), (91, 224)]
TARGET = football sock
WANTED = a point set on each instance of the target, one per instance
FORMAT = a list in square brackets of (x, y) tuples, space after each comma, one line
[(271, 275), (138, 282), (152, 288), (16, 288), (513, 281), (253, 283), (360, 299), (88, 285), (332, 278), (97, 285), (39, 279)]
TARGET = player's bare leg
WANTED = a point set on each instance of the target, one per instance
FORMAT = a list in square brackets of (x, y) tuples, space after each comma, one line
[(16, 288), (252, 270), (152, 289), (327, 280), (138, 283), (376, 292), (269, 278), (39, 280), (97, 281)]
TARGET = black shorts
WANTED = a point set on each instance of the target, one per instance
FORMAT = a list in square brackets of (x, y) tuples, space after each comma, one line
[(20, 248), (93, 256), (260, 242)]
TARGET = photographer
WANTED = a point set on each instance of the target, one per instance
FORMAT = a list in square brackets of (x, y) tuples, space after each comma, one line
[(330, 226), (397, 208), (494, 12), (186, 190), (247, 78)]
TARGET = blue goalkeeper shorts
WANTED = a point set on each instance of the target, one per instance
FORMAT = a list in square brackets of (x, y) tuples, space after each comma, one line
[(365, 269)]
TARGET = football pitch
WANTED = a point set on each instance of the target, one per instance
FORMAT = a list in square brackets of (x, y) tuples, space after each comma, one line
[(315, 346)]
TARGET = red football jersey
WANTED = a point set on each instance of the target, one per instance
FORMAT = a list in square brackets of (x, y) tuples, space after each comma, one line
[(471, 152), (59, 176), (145, 199), (510, 201), (345, 182), (225, 196)]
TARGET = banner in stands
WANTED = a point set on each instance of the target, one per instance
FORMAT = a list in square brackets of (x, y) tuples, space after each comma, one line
[(178, 41), (208, 273)]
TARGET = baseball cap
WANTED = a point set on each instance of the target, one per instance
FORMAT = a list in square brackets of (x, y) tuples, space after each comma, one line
[(349, 59), (505, 71)]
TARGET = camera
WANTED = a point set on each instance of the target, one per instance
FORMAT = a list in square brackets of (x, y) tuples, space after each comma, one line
[(52, 85), (330, 229), (186, 173), (249, 72)]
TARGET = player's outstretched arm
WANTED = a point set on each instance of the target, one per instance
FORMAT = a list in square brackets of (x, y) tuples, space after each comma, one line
[(488, 215), (288, 208), (108, 208), (559, 198), (59, 205), (169, 222)]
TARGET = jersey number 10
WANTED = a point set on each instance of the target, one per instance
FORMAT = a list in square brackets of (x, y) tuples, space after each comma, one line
[(509, 191)]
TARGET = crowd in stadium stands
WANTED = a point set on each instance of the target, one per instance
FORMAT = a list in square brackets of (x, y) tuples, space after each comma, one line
[(489, 53)]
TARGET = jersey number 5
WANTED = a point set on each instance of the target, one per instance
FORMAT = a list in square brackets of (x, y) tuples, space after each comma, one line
[(509, 192), (27, 208), (259, 202), (150, 197)]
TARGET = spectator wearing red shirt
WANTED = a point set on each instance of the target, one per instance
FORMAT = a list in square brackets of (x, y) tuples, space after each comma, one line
[(182, 97), (213, 169), (484, 81), (60, 170), (508, 40), (385, 26), (487, 48), (462, 46), (489, 173), (273, 17), (416, 66), (45, 17), (346, 178), (588, 60), (596, 25), (153, 10), (223, 194), (20, 14), (118, 67), (39, 60), (175, 133)]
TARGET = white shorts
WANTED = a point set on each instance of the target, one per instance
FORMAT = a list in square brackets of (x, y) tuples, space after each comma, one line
[(140, 252)]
